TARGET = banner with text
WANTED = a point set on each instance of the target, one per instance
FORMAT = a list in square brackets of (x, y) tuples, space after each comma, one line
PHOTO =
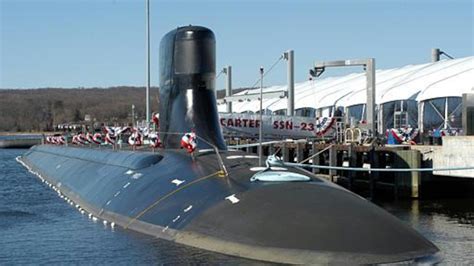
[(235, 124)]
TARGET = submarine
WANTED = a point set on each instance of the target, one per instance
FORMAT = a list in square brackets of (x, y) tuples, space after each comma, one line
[(221, 200)]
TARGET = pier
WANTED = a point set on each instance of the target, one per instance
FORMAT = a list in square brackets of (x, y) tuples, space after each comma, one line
[(19, 141), (363, 131), (403, 170)]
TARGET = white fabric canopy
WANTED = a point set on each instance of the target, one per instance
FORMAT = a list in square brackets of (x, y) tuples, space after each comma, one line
[(446, 78), (450, 86)]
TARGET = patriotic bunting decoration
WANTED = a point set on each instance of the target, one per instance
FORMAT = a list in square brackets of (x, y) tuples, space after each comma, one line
[(110, 138), (122, 130), (75, 140), (82, 139), (323, 124), (156, 119), (136, 138), (110, 135), (89, 137), (145, 132), (108, 130), (154, 139), (450, 132), (60, 140), (56, 140), (403, 135), (97, 138), (188, 142)]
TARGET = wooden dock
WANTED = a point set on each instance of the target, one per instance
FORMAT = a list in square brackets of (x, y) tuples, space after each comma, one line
[(373, 184)]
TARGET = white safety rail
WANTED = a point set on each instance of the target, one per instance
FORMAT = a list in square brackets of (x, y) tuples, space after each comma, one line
[(362, 169)]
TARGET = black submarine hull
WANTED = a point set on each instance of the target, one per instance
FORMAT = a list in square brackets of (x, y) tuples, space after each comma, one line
[(210, 201), (286, 222)]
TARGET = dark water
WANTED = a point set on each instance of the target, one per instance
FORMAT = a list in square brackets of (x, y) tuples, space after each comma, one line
[(37, 227)]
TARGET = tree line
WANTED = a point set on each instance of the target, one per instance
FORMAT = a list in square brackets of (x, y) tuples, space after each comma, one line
[(35, 110), (31, 110)]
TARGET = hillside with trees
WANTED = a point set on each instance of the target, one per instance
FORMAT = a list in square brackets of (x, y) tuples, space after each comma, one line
[(40, 109), (33, 110)]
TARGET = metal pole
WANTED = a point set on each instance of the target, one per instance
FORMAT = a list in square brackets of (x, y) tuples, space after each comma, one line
[(370, 107), (369, 66), (133, 115), (147, 64), (260, 128), (446, 113), (289, 55), (435, 53), (228, 88), (380, 122), (420, 117)]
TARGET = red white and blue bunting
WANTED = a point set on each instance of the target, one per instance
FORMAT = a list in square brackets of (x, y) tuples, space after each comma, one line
[(403, 135), (56, 140), (323, 125)]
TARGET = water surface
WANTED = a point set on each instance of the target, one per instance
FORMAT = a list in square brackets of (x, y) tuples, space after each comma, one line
[(37, 227)]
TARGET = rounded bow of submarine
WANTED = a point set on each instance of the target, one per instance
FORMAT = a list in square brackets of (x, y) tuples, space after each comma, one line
[(305, 223)]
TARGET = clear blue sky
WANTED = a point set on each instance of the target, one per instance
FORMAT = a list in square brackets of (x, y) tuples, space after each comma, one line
[(86, 43)]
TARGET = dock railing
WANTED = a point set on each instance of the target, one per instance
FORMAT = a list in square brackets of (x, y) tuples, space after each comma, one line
[(123, 145)]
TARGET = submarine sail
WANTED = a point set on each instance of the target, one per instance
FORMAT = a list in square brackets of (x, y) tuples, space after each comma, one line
[(187, 86)]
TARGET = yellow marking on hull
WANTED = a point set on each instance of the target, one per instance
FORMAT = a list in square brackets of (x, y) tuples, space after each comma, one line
[(218, 173)]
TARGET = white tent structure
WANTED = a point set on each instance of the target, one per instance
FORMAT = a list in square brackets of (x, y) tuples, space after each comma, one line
[(426, 95)]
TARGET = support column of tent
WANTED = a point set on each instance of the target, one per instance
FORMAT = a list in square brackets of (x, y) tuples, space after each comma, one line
[(421, 107), (370, 108), (446, 113), (380, 124)]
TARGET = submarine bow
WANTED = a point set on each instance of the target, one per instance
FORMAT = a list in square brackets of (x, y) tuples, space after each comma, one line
[(187, 87)]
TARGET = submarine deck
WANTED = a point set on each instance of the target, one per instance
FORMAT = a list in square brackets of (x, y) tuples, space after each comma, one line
[(172, 196)]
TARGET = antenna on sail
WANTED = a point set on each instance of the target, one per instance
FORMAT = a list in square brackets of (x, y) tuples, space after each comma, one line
[(147, 64)]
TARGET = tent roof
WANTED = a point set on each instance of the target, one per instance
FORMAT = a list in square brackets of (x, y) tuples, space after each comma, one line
[(446, 78)]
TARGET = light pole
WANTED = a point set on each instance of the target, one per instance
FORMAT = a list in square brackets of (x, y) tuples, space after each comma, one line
[(147, 64), (133, 115), (228, 89), (260, 128), (289, 56)]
